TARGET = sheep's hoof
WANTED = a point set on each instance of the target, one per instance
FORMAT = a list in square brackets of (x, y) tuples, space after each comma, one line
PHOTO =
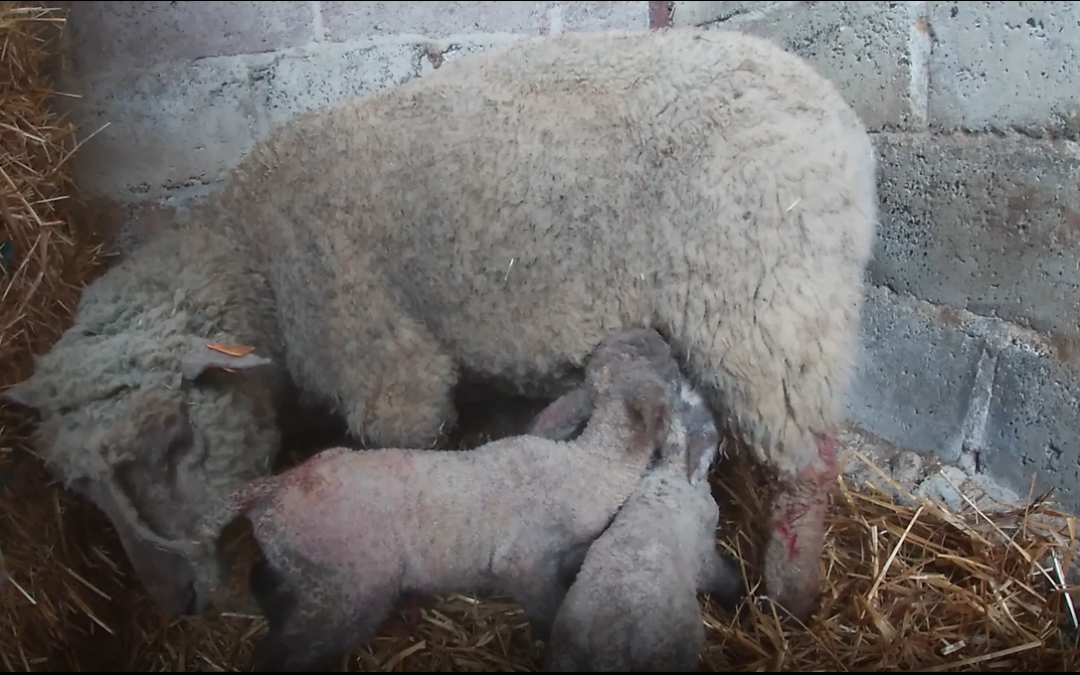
[(796, 610)]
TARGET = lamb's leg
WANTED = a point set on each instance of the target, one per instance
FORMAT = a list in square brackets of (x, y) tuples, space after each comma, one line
[(309, 631), (796, 538), (540, 595), (284, 648), (413, 620), (720, 578)]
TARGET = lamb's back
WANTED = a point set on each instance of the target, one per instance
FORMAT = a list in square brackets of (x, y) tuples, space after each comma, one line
[(428, 517)]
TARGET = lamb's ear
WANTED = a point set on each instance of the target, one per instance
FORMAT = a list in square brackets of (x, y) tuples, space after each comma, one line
[(701, 453), (24, 394), (202, 356), (650, 411), (563, 416), (702, 436)]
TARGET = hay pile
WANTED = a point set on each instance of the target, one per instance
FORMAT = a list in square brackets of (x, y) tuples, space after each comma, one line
[(44, 257), (908, 587)]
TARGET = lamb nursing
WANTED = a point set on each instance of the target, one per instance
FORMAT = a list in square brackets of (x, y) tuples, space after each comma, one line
[(346, 533), (633, 606)]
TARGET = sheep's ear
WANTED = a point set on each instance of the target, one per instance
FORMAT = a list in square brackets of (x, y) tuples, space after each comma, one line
[(24, 394), (164, 444), (203, 356), (563, 416)]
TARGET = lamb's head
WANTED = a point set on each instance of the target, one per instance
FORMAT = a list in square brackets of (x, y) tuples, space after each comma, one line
[(152, 431), (643, 347), (645, 399), (693, 433), (694, 438)]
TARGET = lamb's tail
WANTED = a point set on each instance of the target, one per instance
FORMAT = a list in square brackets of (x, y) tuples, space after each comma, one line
[(208, 563)]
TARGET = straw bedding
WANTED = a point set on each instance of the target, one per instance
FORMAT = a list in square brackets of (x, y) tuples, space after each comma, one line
[(909, 584)]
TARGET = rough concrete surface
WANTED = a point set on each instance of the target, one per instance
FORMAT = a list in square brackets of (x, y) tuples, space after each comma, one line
[(117, 34), (918, 474), (165, 127), (294, 83), (1006, 65), (343, 21), (984, 223), (915, 376), (863, 47), (1033, 411), (1000, 400)]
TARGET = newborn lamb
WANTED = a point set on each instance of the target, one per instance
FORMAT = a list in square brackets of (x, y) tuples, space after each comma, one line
[(633, 606), (347, 533)]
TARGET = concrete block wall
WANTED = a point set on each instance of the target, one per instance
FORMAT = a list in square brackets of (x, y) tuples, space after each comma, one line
[(971, 337)]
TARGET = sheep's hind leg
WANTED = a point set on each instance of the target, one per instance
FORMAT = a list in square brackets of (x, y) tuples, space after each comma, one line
[(783, 413), (796, 537)]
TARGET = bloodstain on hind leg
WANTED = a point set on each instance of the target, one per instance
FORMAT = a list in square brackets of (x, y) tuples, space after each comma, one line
[(800, 504)]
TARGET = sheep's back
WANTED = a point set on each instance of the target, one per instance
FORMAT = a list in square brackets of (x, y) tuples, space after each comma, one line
[(524, 202)]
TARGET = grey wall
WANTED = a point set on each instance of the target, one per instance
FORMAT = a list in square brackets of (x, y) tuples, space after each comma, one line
[(972, 326)]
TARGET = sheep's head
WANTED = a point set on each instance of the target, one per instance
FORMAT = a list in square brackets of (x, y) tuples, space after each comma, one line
[(152, 432)]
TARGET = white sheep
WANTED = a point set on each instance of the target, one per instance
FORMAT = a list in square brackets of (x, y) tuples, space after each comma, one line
[(499, 217), (347, 533)]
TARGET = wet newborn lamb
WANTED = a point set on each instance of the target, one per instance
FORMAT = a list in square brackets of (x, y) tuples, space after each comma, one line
[(633, 606), (348, 532)]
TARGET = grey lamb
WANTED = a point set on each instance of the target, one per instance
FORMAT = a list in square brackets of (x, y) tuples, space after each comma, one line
[(496, 218), (633, 606), (347, 533)]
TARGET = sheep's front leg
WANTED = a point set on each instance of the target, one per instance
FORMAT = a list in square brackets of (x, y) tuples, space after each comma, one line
[(793, 555), (401, 396), (405, 401)]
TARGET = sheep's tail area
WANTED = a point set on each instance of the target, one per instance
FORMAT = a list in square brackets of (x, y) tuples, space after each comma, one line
[(209, 567)]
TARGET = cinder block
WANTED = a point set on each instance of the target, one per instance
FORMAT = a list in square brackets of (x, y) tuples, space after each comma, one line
[(343, 21), (169, 128), (1006, 65), (684, 13), (125, 226), (292, 84), (914, 376), (982, 223), (116, 35), (1032, 425), (438, 52), (595, 16), (863, 47)]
